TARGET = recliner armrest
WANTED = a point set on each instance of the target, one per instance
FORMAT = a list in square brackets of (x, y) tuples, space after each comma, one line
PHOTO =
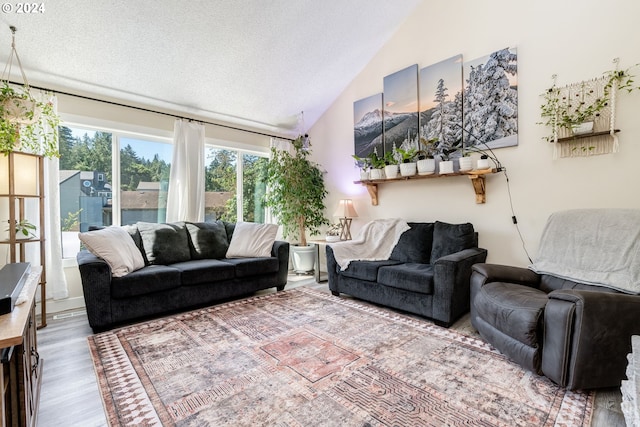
[(95, 275), (588, 336), (506, 273), (280, 250)]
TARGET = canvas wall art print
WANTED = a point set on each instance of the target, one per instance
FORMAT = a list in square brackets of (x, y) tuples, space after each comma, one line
[(401, 109), (441, 106), (367, 126), (491, 100)]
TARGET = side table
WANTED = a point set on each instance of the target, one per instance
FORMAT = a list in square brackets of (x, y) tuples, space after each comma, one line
[(320, 267)]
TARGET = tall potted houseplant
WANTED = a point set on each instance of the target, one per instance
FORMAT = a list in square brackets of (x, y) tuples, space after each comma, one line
[(295, 193)]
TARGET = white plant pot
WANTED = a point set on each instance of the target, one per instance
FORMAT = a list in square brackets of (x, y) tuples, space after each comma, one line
[(407, 169), (364, 175), (426, 166), (332, 238), (445, 166), (22, 111), (376, 174), (391, 171), (303, 258), (582, 128), (482, 164), (466, 163)]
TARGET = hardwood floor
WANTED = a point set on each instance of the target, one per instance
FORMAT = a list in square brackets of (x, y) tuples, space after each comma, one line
[(70, 397)]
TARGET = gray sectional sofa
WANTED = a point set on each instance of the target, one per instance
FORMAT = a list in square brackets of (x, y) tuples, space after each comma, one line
[(185, 267), (427, 273)]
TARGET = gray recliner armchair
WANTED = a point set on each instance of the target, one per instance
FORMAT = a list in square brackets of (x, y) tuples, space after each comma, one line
[(570, 315)]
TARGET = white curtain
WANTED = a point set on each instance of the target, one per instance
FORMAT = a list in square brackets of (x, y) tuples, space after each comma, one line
[(56, 280), (185, 198)]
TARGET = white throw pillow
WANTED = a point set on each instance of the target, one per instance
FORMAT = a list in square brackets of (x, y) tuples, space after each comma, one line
[(252, 240), (116, 247)]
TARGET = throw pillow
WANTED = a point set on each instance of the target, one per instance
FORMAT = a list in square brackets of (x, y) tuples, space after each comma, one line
[(451, 238), (116, 247), (165, 244), (208, 240), (252, 240), (415, 244)]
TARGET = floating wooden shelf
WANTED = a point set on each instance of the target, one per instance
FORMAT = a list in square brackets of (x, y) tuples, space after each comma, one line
[(586, 135), (477, 178)]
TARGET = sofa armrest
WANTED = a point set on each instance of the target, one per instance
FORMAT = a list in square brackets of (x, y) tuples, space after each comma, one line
[(451, 274), (95, 274), (488, 273), (280, 250), (587, 337)]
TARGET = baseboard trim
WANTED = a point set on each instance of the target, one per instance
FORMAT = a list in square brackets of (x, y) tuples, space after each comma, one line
[(57, 306)]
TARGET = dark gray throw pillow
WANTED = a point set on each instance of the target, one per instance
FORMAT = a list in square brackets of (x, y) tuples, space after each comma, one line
[(208, 240), (451, 238), (415, 244), (165, 244)]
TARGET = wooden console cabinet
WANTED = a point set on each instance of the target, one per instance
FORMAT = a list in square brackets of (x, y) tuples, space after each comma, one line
[(21, 373)]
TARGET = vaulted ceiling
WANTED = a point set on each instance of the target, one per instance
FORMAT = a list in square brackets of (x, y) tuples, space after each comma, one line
[(257, 63)]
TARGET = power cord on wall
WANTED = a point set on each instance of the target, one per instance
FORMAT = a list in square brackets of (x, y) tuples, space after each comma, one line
[(500, 168)]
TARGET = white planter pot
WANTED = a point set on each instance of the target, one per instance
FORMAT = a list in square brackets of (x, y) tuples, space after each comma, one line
[(466, 163), (482, 164), (23, 111), (364, 175), (376, 174), (582, 128), (407, 169), (426, 166), (391, 171), (332, 238), (303, 258), (445, 167)]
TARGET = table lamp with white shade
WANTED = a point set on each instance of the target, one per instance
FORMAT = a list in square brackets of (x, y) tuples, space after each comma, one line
[(345, 212)]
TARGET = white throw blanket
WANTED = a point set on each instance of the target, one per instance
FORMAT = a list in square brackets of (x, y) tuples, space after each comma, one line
[(594, 246), (374, 242)]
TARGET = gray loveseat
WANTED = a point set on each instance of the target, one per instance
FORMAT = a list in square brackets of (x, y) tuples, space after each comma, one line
[(427, 273), (185, 268)]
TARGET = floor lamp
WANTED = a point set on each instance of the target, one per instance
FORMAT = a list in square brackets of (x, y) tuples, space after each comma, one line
[(345, 212)]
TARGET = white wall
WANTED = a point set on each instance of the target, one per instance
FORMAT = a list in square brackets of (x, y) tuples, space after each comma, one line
[(576, 40)]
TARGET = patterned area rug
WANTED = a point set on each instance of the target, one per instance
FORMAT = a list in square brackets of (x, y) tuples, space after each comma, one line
[(306, 358)]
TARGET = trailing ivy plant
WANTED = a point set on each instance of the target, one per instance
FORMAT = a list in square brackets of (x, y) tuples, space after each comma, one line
[(558, 112), (35, 131), (296, 191)]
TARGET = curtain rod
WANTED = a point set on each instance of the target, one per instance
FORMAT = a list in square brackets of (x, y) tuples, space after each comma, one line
[(150, 111)]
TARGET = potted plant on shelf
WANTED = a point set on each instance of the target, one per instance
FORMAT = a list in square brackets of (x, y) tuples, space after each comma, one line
[(407, 166), (577, 112), (27, 124), (377, 165), (426, 163), (295, 193), (23, 229), (364, 164), (390, 164)]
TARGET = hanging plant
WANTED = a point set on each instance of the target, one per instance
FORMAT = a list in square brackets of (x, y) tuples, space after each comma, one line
[(570, 109), (26, 123)]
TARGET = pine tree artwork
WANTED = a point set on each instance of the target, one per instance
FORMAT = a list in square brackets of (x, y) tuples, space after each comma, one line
[(490, 100)]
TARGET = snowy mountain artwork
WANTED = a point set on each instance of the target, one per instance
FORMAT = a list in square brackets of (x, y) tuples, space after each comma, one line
[(441, 105), (367, 126), (491, 100), (401, 108)]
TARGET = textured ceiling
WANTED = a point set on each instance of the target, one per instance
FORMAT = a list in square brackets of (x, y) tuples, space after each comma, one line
[(250, 62)]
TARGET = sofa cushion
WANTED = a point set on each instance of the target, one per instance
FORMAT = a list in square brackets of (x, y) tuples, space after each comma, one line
[(414, 277), (114, 246), (246, 267), (197, 272), (365, 270), (415, 244), (208, 240), (152, 278), (515, 310), (165, 243), (251, 240), (451, 238)]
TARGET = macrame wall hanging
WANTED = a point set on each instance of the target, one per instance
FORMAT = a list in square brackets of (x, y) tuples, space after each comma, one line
[(582, 115)]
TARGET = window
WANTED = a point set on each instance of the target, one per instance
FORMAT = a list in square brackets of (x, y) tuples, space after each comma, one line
[(220, 184), (144, 180), (84, 198)]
